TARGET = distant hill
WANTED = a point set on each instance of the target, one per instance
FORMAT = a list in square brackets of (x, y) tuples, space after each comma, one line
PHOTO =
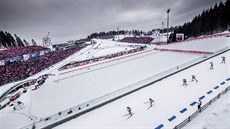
[(213, 20)]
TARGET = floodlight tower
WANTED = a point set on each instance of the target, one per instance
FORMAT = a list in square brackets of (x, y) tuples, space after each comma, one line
[(162, 26), (168, 24)]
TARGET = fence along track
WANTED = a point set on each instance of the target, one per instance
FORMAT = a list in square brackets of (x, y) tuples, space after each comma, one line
[(196, 113)]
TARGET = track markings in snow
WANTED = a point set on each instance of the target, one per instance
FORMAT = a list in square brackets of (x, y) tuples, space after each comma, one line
[(202, 97), (222, 83), (183, 110), (193, 103), (172, 118), (209, 92), (115, 59), (160, 126), (228, 79), (216, 87)]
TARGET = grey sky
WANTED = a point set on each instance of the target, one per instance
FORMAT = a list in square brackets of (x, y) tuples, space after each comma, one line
[(73, 19)]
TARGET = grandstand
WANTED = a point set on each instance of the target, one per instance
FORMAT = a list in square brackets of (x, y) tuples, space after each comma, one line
[(23, 67)]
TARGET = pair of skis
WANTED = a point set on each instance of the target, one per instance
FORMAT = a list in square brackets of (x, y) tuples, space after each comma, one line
[(188, 84), (132, 113)]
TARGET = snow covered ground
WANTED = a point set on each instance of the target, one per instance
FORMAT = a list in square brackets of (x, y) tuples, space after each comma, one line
[(71, 87), (216, 116), (170, 97), (205, 45), (101, 79), (101, 48)]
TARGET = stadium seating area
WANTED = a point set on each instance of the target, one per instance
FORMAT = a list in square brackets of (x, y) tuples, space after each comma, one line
[(142, 40), (12, 52), (20, 70)]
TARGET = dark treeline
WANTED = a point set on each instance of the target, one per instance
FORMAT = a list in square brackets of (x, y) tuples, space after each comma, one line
[(212, 20), (9, 41), (121, 32)]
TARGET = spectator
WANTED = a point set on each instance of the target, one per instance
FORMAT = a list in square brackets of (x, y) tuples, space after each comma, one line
[(199, 105)]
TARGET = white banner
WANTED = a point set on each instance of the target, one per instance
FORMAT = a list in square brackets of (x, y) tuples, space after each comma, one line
[(42, 53), (26, 57), (179, 36), (2, 62)]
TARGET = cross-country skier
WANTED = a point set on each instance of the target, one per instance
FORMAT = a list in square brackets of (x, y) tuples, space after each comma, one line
[(184, 82), (151, 101), (211, 65), (19, 102), (194, 78), (130, 111), (223, 59)]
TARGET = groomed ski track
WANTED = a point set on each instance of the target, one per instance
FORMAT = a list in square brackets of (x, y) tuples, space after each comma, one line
[(170, 98)]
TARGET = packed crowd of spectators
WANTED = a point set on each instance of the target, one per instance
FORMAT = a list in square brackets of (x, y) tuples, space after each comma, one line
[(12, 52), (20, 70), (92, 60), (142, 40)]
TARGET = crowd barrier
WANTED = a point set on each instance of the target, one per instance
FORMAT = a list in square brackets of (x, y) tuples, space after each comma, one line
[(196, 113), (187, 51), (200, 109), (108, 60)]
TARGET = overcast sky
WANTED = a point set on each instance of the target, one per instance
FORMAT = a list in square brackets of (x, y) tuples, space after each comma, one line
[(74, 19)]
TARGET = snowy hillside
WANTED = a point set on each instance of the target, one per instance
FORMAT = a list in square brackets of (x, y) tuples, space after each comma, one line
[(170, 97), (74, 86), (206, 45)]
